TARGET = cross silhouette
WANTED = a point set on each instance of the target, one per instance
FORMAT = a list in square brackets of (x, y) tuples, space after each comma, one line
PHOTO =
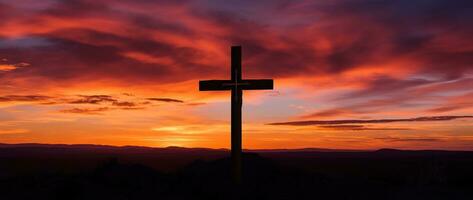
[(236, 85)]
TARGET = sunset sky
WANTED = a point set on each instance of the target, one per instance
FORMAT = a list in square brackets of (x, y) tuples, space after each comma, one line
[(349, 74)]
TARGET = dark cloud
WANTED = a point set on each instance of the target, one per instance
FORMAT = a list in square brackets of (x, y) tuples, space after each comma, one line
[(124, 104), (16, 98), (132, 108), (344, 127), (167, 100), (100, 110), (360, 128), (107, 99), (93, 99), (49, 103), (88, 111), (374, 121)]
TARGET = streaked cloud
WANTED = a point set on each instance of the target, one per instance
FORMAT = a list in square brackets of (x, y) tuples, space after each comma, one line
[(167, 100), (23, 98), (88, 111), (372, 121), (124, 104), (361, 128), (93, 99)]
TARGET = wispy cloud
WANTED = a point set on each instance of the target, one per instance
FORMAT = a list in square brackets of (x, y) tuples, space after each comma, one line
[(374, 121), (124, 104), (360, 128), (110, 102), (88, 111), (23, 98), (93, 99), (168, 100)]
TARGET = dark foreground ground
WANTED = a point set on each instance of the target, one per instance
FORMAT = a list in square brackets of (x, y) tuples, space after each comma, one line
[(102, 172)]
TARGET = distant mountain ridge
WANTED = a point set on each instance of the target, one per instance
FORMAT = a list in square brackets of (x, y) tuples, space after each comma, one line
[(104, 147), (169, 148), (187, 149)]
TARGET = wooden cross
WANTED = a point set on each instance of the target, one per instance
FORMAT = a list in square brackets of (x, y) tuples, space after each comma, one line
[(236, 85)]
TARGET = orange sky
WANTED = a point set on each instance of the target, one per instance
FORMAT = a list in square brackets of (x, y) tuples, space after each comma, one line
[(123, 72)]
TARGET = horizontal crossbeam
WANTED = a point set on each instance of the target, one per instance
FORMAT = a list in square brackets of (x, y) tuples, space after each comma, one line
[(248, 84), (215, 85), (256, 84)]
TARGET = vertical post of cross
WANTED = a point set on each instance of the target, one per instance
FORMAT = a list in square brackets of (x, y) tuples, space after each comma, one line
[(236, 84), (236, 103)]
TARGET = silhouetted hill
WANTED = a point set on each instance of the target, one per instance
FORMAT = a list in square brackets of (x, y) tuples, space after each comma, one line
[(303, 150), (35, 171), (30, 157)]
